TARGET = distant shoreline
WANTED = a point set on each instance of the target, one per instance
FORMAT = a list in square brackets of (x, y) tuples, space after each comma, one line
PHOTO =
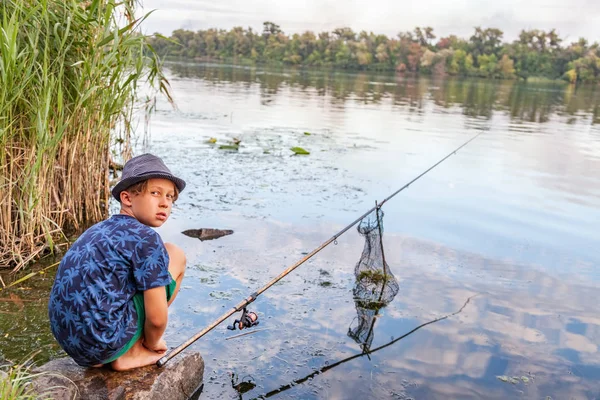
[(535, 54)]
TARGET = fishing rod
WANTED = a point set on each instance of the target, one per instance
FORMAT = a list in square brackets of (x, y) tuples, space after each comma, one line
[(242, 304)]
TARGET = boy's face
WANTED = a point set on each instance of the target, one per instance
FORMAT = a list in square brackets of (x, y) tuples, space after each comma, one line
[(153, 206)]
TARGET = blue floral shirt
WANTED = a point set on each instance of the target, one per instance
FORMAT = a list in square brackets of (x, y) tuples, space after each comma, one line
[(91, 309)]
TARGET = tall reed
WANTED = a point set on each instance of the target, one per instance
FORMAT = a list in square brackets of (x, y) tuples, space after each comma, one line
[(69, 78)]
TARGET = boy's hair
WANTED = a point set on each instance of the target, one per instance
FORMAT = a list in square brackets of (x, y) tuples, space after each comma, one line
[(142, 186)]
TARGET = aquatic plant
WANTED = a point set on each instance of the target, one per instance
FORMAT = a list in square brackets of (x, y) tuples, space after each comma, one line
[(69, 78), (374, 277), (299, 151)]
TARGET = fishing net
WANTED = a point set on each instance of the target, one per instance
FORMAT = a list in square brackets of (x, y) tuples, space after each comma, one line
[(375, 285)]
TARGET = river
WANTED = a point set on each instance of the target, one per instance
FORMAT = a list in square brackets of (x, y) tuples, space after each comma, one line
[(508, 225)]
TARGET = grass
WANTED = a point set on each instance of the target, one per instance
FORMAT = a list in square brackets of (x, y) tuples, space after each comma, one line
[(70, 73), (15, 382), (15, 385)]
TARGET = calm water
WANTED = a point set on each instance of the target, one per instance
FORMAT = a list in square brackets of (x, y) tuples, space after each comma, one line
[(511, 219)]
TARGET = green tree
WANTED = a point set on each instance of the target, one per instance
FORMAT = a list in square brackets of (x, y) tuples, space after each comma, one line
[(424, 36), (506, 67), (462, 63), (486, 42), (343, 58), (271, 28), (344, 34), (488, 65)]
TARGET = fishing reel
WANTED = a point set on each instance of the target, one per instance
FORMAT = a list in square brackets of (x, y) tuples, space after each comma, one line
[(247, 320)]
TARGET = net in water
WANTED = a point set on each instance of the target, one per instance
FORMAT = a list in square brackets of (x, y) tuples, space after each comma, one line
[(375, 285)]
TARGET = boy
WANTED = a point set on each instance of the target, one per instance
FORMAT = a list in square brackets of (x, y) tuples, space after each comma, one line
[(108, 303)]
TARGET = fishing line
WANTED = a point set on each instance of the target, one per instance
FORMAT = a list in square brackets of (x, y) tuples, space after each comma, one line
[(242, 304)]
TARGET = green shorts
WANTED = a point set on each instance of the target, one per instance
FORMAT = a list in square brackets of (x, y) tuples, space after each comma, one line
[(138, 301)]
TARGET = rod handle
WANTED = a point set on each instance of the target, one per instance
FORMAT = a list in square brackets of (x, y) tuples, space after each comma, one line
[(160, 363)]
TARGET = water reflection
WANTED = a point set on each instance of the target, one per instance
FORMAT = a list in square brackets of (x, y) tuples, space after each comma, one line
[(242, 385), (366, 352), (523, 323), (524, 102)]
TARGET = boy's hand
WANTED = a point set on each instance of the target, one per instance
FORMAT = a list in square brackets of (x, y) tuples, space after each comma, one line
[(160, 347)]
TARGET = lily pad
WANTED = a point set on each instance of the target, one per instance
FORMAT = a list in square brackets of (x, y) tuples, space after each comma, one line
[(525, 379), (229, 147), (299, 151), (503, 378), (307, 133), (212, 140)]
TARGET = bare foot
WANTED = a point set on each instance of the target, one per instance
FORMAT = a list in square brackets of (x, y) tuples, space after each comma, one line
[(137, 356)]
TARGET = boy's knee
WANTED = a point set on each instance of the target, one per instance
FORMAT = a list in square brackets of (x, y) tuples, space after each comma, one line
[(176, 254)]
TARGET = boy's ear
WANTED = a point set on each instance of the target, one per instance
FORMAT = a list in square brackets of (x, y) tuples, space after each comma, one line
[(125, 198)]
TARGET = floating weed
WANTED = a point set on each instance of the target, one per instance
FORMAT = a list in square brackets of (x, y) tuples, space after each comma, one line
[(307, 133), (220, 295), (209, 268), (209, 280), (234, 147), (212, 140), (299, 151), (514, 379)]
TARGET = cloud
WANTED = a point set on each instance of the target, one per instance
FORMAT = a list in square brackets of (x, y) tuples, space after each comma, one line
[(389, 17)]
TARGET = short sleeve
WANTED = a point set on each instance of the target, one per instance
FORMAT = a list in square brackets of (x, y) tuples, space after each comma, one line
[(150, 262)]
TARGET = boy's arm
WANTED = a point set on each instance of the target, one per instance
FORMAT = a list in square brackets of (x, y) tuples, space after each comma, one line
[(155, 304)]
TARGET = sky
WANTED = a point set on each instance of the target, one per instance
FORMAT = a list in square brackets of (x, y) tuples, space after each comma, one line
[(571, 18)]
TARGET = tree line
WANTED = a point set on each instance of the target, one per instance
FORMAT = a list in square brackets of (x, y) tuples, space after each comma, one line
[(536, 53)]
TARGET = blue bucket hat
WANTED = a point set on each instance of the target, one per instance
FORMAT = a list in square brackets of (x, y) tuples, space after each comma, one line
[(141, 168)]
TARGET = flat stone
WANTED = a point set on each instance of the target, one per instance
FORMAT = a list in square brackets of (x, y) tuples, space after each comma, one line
[(180, 379), (207, 233)]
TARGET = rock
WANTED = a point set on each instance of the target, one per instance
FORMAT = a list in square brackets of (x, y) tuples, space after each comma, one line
[(63, 379), (207, 233)]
